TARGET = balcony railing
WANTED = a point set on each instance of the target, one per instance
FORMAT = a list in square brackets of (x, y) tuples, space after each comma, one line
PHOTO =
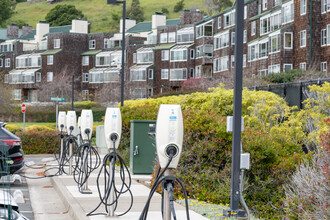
[(19, 78)]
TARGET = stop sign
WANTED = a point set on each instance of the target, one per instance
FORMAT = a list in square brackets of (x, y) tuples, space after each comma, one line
[(23, 108)]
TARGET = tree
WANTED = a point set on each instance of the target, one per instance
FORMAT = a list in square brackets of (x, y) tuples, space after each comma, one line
[(5, 99), (63, 15), (136, 11), (178, 6), (216, 5), (6, 10)]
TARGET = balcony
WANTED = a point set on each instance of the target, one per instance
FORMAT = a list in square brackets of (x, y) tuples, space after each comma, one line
[(103, 75), (26, 76)]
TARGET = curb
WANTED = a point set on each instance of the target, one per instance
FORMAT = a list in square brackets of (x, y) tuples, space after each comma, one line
[(74, 209)]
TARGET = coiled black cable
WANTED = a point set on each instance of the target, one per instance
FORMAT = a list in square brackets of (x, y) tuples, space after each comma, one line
[(168, 183), (85, 164), (109, 183)]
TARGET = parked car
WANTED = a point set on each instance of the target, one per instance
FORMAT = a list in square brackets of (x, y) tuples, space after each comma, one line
[(6, 202), (11, 153)]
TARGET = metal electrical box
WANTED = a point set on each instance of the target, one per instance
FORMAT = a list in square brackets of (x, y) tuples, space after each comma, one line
[(143, 146)]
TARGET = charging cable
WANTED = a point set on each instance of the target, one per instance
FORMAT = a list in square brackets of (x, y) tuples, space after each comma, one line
[(85, 164), (109, 182), (168, 183)]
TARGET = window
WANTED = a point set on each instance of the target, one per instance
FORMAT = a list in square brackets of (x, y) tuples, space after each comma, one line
[(150, 92), (328, 33), (178, 55), (192, 54), (163, 38), (38, 76), (17, 94), (275, 21), (178, 74), (245, 12), (253, 52), (274, 68), (50, 59), (220, 64), (253, 28), (275, 45), (165, 55), (229, 19), (221, 40), (191, 73), (204, 30), (85, 60), (287, 12), (232, 61), (287, 67), (138, 74), (204, 51), (150, 74), (288, 37), (324, 67), (102, 59), (164, 74), (244, 36), (111, 75), (185, 35), (145, 55), (92, 44), (265, 25), (263, 72), (324, 6), (302, 7), (219, 22), (1, 62), (85, 77), (302, 66), (303, 38), (263, 49), (7, 62), (84, 93), (264, 4), (244, 60), (232, 38), (106, 43), (323, 37), (57, 43), (198, 71), (138, 93), (49, 76), (171, 37), (152, 38)]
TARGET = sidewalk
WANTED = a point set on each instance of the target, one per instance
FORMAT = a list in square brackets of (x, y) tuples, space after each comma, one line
[(78, 205)]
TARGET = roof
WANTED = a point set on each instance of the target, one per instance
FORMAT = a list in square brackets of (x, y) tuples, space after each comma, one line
[(147, 26), (164, 47), (3, 34), (51, 52), (90, 52), (59, 29)]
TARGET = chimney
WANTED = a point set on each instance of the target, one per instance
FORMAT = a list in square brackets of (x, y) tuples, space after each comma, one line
[(158, 19), (128, 24), (12, 31), (190, 17), (26, 29), (41, 29), (79, 26)]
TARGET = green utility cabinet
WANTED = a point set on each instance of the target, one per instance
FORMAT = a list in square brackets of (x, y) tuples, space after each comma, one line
[(143, 146)]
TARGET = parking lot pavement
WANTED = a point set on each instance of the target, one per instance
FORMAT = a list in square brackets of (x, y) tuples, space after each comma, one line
[(62, 199)]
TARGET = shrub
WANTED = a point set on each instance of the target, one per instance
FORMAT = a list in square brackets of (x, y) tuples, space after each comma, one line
[(165, 11), (13, 128), (284, 77), (38, 128), (38, 142)]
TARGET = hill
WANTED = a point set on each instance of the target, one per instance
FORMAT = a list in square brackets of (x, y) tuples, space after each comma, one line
[(97, 12)]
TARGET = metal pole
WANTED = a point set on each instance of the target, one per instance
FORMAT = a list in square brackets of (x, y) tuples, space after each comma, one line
[(70, 158), (123, 55), (23, 121), (236, 149), (72, 100), (56, 114), (167, 207)]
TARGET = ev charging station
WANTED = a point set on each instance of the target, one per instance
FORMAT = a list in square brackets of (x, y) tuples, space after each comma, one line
[(169, 139), (62, 129), (71, 122)]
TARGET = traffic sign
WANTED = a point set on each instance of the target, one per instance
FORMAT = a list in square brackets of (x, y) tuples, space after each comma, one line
[(57, 99), (23, 108)]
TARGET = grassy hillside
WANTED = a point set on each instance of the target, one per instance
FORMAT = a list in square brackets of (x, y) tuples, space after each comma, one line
[(96, 11)]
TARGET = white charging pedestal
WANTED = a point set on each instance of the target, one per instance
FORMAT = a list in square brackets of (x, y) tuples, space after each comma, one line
[(85, 122), (62, 129), (169, 134), (71, 122), (112, 128)]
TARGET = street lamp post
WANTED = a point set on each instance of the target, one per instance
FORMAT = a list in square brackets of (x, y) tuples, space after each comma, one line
[(122, 48), (72, 100)]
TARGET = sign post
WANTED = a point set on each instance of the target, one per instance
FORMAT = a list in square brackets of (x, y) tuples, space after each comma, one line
[(23, 109), (57, 99)]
